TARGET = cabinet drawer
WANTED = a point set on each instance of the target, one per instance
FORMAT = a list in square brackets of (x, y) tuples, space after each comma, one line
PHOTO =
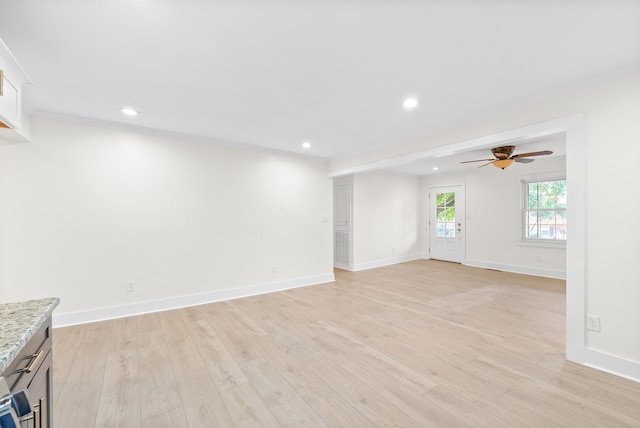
[(20, 372)]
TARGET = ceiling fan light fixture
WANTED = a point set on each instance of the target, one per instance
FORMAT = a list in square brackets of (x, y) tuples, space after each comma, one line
[(503, 157), (502, 163)]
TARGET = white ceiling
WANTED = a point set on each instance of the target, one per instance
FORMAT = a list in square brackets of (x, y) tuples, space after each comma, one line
[(274, 73)]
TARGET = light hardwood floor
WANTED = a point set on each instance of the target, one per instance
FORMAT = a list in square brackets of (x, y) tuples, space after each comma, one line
[(418, 344)]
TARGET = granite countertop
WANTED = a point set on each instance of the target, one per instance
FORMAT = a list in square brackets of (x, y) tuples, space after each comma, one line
[(19, 322)]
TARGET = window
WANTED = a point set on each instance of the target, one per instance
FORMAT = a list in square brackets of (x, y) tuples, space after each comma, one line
[(545, 210), (446, 215)]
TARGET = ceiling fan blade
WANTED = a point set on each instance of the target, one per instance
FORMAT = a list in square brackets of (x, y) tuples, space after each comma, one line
[(488, 163), (524, 160), (523, 155), (478, 160)]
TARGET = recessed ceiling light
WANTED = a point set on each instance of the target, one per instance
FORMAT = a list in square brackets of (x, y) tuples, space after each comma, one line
[(306, 145), (410, 103), (129, 111), (435, 168)]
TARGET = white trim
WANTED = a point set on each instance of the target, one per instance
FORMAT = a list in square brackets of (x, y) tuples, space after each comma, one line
[(12, 68), (525, 270), (343, 266), (120, 311), (544, 176), (161, 133), (611, 364), (548, 243), (576, 172), (385, 262), (549, 127), (13, 135)]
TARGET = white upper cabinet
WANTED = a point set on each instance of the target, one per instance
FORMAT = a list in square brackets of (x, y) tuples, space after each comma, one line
[(13, 77), (9, 102)]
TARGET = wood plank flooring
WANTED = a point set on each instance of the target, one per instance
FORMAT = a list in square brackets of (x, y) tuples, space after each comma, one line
[(419, 344)]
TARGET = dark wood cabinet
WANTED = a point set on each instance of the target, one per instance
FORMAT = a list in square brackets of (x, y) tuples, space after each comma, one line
[(31, 370)]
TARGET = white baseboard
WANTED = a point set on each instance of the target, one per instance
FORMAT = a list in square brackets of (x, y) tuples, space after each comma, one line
[(120, 311), (343, 266), (385, 262), (526, 270), (611, 364)]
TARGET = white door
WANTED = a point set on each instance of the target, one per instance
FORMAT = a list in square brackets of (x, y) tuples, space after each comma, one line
[(446, 223), (342, 226)]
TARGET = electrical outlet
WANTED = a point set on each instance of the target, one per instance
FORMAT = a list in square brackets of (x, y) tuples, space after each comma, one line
[(593, 323), (130, 287), (538, 258), (274, 270)]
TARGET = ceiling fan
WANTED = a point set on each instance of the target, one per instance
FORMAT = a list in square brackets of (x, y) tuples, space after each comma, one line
[(503, 158)]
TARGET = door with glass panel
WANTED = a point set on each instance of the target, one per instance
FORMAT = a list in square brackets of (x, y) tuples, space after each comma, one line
[(446, 223)]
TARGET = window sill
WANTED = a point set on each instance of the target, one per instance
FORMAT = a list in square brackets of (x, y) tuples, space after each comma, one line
[(561, 245)]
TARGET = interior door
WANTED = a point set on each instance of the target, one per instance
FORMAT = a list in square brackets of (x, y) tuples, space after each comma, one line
[(342, 226), (447, 223)]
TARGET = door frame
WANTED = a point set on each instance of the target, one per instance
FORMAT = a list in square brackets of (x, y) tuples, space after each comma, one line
[(463, 251)]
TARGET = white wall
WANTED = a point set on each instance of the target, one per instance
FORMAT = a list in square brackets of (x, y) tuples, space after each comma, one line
[(85, 209), (612, 135), (613, 252), (492, 209), (386, 219)]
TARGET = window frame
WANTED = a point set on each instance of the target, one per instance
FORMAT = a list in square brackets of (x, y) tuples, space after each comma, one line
[(523, 182), (445, 207)]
